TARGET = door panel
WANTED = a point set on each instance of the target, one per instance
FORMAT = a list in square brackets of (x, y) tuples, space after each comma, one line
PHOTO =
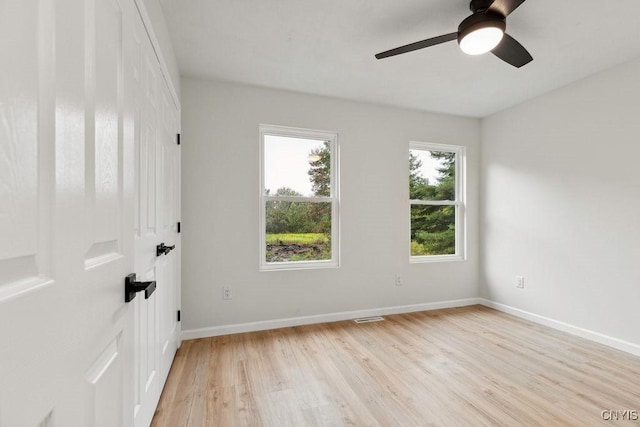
[(27, 279), (103, 382), (103, 144), (169, 183), (26, 160), (147, 380), (157, 211), (149, 156), (107, 248)]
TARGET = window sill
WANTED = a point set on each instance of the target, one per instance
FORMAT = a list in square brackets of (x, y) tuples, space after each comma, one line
[(299, 265), (435, 258)]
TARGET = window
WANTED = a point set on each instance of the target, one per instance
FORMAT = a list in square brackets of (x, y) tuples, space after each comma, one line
[(437, 202), (298, 198)]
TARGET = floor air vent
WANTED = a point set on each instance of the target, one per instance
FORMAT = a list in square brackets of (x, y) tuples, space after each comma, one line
[(369, 319)]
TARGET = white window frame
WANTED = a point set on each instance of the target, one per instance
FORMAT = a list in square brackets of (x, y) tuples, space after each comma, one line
[(459, 203), (334, 199)]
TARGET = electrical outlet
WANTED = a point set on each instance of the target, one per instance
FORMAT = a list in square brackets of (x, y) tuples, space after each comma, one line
[(226, 292), (398, 280), (519, 281)]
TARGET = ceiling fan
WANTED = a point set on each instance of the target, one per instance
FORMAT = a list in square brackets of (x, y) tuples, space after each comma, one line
[(482, 32)]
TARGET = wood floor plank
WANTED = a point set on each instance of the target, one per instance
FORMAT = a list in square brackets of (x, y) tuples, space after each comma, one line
[(463, 366)]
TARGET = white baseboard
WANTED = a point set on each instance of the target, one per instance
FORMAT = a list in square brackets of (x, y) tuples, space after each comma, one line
[(321, 318), (564, 327)]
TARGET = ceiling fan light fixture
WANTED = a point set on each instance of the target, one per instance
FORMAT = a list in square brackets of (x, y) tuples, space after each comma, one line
[(480, 33), (481, 41)]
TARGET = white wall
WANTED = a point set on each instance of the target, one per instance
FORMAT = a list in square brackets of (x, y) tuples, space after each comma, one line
[(561, 204), (220, 207)]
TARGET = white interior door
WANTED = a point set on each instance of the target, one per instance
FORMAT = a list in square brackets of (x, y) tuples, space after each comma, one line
[(68, 134), (168, 265), (156, 218), (65, 215)]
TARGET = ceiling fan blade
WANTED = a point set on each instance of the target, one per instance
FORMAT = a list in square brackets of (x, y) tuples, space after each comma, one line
[(512, 52), (505, 7), (418, 45)]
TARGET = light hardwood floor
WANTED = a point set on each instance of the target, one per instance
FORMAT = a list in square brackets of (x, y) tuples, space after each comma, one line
[(460, 367)]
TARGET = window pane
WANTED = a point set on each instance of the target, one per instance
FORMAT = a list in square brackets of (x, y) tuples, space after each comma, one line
[(296, 167), (433, 230), (432, 175), (297, 231)]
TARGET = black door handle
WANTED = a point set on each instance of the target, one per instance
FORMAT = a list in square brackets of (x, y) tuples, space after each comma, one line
[(163, 249), (131, 288)]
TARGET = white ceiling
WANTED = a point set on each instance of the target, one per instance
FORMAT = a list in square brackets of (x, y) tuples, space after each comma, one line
[(326, 47)]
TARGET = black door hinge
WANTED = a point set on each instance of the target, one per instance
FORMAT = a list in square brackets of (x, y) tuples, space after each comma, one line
[(178, 315), (178, 227), (178, 138)]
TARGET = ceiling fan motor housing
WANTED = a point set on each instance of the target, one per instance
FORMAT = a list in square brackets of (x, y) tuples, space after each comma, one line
[(480, 5)]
